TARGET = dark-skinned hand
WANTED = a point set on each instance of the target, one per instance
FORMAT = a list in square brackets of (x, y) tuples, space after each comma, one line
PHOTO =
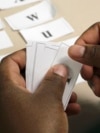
[(87, 51), (40, 112)]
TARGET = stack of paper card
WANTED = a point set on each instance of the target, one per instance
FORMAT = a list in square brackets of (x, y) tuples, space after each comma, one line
[(41, 56)]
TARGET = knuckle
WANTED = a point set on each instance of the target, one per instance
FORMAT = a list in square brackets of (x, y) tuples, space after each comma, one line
[(55, 79), (53, 86), (91, 52), (92, 55)]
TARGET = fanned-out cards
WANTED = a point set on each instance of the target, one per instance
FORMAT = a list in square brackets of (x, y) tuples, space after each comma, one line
[(40, 56)]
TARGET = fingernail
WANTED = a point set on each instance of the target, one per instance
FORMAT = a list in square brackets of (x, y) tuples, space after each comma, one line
[(77, 50), (60, 70)]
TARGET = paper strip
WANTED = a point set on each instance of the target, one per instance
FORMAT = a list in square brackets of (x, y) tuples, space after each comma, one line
[(46, 55), (47, 32), (74, 70), (33, 16)]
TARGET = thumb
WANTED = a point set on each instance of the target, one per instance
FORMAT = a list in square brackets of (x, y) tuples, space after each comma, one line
[(52, 87), (87, 54)]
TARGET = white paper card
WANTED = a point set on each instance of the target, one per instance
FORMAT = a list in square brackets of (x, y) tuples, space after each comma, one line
[(33, 16), (44, 58), (45, 55), (48, 32), (74, 69), (70, 42), (30, 60), (5, 41), (5, 4)]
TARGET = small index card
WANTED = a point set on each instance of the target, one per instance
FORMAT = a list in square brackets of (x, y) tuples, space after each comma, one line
[(47, 32), (71, 42), (33, 16), (46, 54)]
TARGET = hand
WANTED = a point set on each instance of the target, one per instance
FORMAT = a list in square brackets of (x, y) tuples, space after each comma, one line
[(87, 51), (24, 112)]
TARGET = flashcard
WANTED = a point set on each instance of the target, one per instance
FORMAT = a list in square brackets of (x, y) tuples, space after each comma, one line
[(70, 42), (30, 63), (33, 16), (37, 66), (5, 41), (46, 54), (47, 32), (5, 4), (74, 69), (44, 58)]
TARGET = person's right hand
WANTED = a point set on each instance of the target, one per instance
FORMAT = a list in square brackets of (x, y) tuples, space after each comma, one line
[(87, 51), (38, 112)]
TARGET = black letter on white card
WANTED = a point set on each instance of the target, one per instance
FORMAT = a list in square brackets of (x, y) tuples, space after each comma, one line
[(33, 16), (18, 0), (47, 34)]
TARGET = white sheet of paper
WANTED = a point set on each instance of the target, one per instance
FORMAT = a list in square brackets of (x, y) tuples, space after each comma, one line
[(33, 16), (1, 25), (5, 41), (70, 42), (46, 55), (30, 63), (74, 69), (47, 32), (44, 58), (5, 4)]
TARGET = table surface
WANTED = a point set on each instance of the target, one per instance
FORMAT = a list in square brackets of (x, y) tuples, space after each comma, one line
[(80, 14)]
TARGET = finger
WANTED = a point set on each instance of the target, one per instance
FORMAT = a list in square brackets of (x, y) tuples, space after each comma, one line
[(87, 54), (73, 98), (73, 109), (87, 72), (95, 85), (10, 68), (18, 57), (90, 36), (52, 87)]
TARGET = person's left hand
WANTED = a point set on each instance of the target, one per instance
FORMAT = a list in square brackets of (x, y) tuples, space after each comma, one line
[(42, 111), (87, 51)]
